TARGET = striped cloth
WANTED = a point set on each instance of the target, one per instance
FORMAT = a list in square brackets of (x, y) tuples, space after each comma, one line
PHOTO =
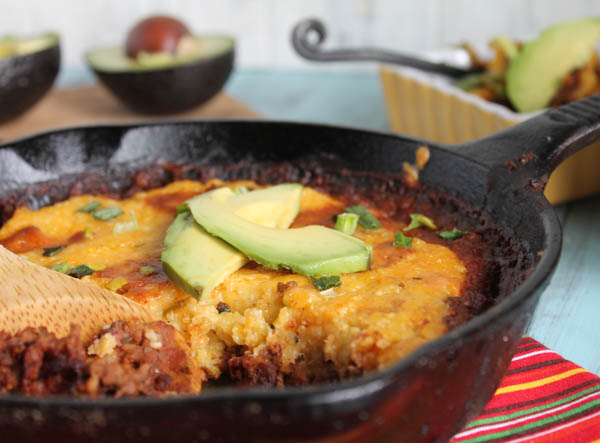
[(542, 398)]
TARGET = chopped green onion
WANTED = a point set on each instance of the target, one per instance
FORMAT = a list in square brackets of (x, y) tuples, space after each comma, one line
[(49, 252), (128, 226), (88, 233), (147, 270), (61, 267), (241, 190), (116, 283), (97, 267), (419, 220), (402, 241), (326, 282), (366, 219), (346, 222), (182, 208), (452, 234), (106, 214), (80, 271), (223, 307), (139, 244), (90, 206)]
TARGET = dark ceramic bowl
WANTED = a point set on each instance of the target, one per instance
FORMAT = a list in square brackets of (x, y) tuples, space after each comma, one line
[(25, 79), (166, 90)]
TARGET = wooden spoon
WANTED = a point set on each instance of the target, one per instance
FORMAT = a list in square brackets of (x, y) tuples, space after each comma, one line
[(31, 295)]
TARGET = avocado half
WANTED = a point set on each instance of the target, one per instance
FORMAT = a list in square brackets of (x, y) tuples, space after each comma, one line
[(27, 72), (162, 86)]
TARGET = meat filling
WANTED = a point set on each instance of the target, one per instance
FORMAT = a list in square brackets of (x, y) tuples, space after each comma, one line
[(124, 359)]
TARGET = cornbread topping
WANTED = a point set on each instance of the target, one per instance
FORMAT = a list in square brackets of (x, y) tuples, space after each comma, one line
[(262, 325)]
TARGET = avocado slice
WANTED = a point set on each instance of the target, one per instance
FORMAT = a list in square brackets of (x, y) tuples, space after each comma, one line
[(272, 207), (197, 261), (535, 73), (311, 250)]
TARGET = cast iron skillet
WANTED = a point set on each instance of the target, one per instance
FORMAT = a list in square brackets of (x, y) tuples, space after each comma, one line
[(427, 396)]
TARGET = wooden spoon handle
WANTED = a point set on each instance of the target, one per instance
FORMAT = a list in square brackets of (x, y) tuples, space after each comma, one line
[(31, 295)]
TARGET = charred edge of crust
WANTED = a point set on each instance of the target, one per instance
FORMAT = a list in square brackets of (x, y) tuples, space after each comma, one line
[(265, 369)]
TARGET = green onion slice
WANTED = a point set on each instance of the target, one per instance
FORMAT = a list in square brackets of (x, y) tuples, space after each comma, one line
[(453, 234), (128, 226), (420, 220), (106, 214), (147, 270), (366, 219), (223, 307), (49, 252), (61, 267), (90, 206), (116, 283), (346, 222), (326, 282), (80, 271), (402, 241), (240, 190)]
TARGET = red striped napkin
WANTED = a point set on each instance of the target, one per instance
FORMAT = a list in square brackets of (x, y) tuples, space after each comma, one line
[(542, 398)]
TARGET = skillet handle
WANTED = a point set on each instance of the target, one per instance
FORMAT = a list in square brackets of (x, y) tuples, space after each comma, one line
[(537, 146), (312, 51)]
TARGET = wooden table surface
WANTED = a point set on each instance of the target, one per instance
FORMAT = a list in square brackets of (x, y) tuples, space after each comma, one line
[(567, 317)]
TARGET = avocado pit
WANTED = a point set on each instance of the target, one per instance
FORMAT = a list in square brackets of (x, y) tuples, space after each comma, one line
[(155, 34)]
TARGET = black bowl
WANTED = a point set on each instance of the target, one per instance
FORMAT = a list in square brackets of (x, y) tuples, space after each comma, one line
[(171, 89), (25, 79)]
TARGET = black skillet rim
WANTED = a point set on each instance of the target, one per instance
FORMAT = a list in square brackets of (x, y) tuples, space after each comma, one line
[(541, 273)]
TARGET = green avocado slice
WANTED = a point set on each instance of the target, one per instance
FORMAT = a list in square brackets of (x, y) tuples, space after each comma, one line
[(311, 250), (535, 73), (197, 262)]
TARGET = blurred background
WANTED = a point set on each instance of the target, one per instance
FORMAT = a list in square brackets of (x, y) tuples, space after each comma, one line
[(262, 27)]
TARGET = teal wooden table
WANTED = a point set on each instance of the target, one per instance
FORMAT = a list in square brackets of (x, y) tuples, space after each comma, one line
[(567, 318)]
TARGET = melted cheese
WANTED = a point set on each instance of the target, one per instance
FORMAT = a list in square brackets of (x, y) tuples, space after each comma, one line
[(373, 319)]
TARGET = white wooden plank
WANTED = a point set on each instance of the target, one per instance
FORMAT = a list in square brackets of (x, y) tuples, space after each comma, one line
[(262, 27)]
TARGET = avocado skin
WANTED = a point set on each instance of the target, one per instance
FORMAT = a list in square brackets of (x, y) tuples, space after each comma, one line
[(170, 90), (25, 79)]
